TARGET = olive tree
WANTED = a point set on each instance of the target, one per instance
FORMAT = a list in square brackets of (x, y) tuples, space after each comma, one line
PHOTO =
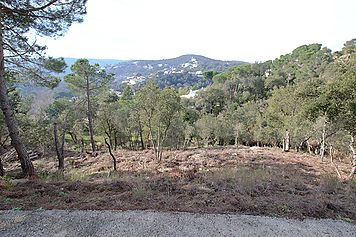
[(158, 109)]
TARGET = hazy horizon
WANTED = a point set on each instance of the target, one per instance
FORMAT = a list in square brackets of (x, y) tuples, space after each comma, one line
[(224, 30)]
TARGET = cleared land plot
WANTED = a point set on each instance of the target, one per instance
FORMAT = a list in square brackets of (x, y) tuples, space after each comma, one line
[(258, 181)]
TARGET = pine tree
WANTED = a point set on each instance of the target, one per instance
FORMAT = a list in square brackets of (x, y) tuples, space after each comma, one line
[(20, 54)]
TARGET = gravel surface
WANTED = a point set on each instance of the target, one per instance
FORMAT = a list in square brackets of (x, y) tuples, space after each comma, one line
[(149, 223)]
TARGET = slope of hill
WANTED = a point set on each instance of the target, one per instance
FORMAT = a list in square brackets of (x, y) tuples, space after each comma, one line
[(183, 71), (186, 70)]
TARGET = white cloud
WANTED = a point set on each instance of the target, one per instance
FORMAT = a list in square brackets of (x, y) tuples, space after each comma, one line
[(254, 30)]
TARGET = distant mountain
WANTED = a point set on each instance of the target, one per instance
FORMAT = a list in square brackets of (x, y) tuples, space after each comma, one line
[(183, 71), (61, 89), (186, 70)]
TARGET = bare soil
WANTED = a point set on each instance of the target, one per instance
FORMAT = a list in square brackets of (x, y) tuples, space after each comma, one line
[(257, 181)]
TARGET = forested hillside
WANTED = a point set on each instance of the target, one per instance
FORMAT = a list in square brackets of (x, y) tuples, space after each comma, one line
[(304, 100), (183, 71)]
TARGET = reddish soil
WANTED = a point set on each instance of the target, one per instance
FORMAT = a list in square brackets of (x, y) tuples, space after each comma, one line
[(259, 181)]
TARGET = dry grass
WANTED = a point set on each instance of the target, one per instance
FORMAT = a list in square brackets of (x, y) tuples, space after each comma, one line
[(253, 181)]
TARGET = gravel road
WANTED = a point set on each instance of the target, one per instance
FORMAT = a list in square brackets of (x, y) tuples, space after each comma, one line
[(148, 223)]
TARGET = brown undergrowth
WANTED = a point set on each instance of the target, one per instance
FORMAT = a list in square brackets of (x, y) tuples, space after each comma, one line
[(259, 181)]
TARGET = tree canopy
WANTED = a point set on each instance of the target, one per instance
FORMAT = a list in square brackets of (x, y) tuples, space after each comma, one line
[(20, 22)]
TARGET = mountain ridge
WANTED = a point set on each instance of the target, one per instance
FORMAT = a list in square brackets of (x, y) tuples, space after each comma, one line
[(182, 57), (181, 71)]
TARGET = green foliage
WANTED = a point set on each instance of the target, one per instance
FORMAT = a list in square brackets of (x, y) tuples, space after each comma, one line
[(304, 63), (8, 182), (211, 100), (307, 93), (205, 128), (157, 109), (85, 76), (21, 21), (179, 80), (337, 98), (208, 75), (256, 104), (346, 219)]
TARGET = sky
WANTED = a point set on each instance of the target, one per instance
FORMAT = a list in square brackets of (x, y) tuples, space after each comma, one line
[(248, 30)]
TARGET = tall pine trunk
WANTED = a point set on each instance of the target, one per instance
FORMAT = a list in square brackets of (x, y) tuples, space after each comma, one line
[(322, 143), (10, 120), (353, 151), (115, 141), (63, 139), (111, 154), (60, 156), (2, 171), (81, 148), (90, 120), (237, 134), (141, 136), (286, 142)]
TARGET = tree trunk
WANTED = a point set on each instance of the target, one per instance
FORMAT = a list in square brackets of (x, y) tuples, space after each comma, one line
[(115, 141), (108, 134), (141, 136), (111, 154), (131, 141), (74, 137), (2, 151), (286, 143), (152, 140), (237, 134), (322, 143), (304, 142), (58, 150), (10, 120), (333, 163), (81, 147), (90, 120), (2, 171), (353, 150), (308, 147), (63, 140), (159, 144)]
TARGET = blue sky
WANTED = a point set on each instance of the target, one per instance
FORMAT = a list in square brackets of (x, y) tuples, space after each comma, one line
[(253, 30)]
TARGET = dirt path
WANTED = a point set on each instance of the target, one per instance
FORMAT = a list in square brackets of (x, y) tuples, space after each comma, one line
[(148, 223)]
